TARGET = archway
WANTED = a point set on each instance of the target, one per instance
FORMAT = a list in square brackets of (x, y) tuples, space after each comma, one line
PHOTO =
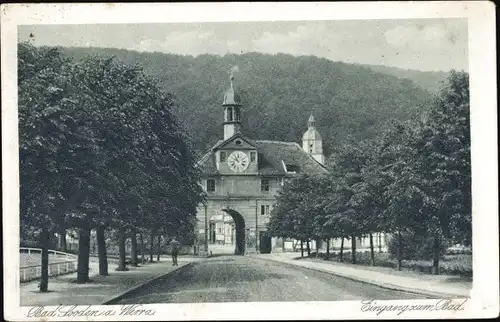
[(239, 230), (221, 234)]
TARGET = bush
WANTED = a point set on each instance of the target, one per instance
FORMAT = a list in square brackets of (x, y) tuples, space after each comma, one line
[(449, 265), (414, 247)]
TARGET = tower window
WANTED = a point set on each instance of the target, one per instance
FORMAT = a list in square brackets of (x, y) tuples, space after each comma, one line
[(229, 114), (237, 115), (222, 156), (253, 156), (264, 185), (210, 185), (310, 148)]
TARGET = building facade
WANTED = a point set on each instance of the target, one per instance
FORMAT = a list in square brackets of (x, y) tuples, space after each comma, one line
[(242, 176)]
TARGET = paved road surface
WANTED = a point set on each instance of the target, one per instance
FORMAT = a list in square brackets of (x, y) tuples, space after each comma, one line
[(239, 278)]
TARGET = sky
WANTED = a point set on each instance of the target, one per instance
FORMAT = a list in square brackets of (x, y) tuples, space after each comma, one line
[(421, 44)]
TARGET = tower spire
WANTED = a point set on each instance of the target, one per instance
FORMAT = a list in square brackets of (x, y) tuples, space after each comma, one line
[(312, 142), (311, 122), (232, 111)]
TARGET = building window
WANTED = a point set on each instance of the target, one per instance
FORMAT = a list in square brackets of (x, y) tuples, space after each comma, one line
[(210, 185), (310, 148), (264, 185), (229, 114), (222, 156), (264, 210), (238, 142), (253, 156)]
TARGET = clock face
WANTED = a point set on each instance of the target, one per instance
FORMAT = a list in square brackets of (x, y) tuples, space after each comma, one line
[(238, 161)]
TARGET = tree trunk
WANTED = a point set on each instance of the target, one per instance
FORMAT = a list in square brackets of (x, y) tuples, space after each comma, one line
[(435, 255), (44, 244), (372, 251), (62, 238), (301, 248), (353, 249), (122, 266), (143, 249), (82, 275), (318, 245), (101, 250), (308, 248), (133, 248), (151, 245), (398, 251), (159, 248), (341, 249), (328, 248)]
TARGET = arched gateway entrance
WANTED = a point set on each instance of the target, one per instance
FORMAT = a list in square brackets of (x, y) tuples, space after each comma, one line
[(226, 232), (239, 231)]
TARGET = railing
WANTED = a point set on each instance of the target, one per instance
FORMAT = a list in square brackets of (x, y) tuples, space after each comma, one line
[(34, 272)]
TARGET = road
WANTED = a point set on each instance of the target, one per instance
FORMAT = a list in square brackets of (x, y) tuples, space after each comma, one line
[(244, 279)]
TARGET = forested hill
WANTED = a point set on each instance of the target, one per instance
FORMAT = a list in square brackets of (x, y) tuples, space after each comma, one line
[(431, 81), (278, 93)]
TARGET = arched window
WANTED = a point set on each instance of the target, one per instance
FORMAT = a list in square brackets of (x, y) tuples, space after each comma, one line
[(237, 115)]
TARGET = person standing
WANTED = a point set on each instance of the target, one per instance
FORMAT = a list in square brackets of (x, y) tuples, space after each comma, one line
[(174, 249)]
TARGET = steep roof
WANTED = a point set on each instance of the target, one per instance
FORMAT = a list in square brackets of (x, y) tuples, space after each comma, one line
[(207, 163), (275, 158), (276, 155)]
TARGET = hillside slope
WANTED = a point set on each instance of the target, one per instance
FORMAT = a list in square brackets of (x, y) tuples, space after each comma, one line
[(279, 92), (431, 81)]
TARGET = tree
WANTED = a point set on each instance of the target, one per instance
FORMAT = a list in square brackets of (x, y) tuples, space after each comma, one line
[(292, 215), (99, 148), (445, 154), (404, 194), (348, 213), (151, 166), (426, 164), (52, 143), (367, 199)]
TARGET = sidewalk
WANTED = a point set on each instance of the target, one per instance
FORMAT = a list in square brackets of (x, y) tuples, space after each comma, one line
[(431, 285), (63, 290)]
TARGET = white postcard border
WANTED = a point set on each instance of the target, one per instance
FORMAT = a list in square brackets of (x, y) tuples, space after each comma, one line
[(484, 301)]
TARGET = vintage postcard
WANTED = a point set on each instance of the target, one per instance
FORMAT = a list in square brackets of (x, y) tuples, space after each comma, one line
[(249, 161)]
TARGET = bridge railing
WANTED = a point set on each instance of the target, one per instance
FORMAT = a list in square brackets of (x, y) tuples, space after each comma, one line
[(67, 264)]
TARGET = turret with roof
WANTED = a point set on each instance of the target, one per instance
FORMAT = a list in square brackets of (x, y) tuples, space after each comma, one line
[(312, 142), (232, 111)]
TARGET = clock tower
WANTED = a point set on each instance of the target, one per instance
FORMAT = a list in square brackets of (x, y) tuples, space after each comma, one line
[(242, 177), (232, 111)]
